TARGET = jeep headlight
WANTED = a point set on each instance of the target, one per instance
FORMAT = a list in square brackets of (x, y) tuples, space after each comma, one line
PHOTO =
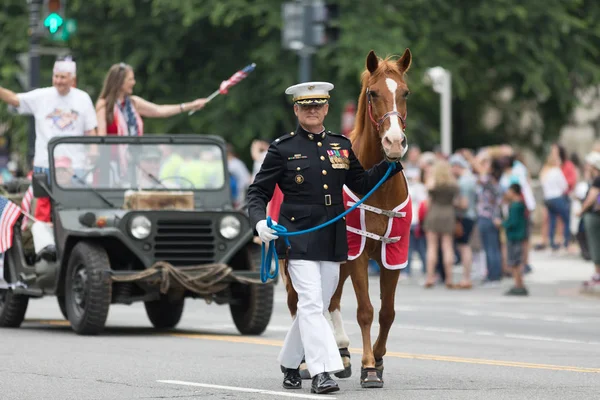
[(140, 227), (230, 227)]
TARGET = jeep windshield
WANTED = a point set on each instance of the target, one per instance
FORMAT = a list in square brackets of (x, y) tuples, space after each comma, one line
[(138, 166)]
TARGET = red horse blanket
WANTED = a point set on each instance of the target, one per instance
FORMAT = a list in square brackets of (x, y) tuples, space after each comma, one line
[(393, 255)]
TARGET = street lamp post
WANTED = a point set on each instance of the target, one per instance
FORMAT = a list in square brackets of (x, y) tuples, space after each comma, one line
[(441, 81)]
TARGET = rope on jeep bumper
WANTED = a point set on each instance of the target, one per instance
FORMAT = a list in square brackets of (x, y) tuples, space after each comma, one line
[(201, 279)]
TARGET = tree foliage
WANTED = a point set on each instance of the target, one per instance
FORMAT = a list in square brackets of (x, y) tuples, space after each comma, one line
[(183, 49)]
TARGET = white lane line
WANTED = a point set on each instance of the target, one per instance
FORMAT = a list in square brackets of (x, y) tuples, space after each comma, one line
[(470, 313), (512, 315), (545, 338), (246, 390), (490, 333), (484, 333), (430, 328)]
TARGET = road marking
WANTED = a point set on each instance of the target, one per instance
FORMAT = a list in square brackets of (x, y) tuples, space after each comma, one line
[(544, 338), (485, 333), (247, 390), (430, 328), (229, 338), (55, 322), (427, 357)]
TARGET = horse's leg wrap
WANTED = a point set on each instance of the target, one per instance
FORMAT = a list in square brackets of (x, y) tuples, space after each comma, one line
[(347, 372)]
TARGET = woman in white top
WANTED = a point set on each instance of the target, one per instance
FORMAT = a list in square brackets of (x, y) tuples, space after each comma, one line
[(554, 187)]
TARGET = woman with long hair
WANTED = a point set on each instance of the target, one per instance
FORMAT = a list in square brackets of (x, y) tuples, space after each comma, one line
[(440, 220), (119, 112), (556, 200)]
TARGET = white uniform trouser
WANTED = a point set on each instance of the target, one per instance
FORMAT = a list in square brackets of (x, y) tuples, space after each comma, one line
[(311, 335)]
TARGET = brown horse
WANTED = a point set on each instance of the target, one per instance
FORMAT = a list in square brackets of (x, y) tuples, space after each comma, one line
[(380, 121)]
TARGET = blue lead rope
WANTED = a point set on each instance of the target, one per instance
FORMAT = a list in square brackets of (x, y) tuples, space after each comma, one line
[(266, 257)]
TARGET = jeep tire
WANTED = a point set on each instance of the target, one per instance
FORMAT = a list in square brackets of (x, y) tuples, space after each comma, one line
[(253, 303), (164, 314), (60, 299), (12, 308), (88, 288)]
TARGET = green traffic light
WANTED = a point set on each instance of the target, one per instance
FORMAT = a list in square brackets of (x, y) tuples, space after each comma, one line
[(53, 22)]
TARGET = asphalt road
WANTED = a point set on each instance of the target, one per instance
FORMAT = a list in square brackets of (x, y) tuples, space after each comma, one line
[(475, 344)]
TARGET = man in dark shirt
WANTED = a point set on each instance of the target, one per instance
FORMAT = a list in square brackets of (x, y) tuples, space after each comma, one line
[(311, 166)]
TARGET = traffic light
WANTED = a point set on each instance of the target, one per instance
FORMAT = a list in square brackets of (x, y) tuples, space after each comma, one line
[(332, 23), (54, 19), (325, 26)]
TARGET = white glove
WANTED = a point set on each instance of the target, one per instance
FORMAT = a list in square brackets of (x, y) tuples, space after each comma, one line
[(265, 233)]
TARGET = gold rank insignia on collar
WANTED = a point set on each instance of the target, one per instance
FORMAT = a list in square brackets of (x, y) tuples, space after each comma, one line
[(296, 157)]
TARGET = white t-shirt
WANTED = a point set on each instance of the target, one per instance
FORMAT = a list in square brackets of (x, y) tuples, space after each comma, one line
[(56, 115), (554, 184), (418, 194)]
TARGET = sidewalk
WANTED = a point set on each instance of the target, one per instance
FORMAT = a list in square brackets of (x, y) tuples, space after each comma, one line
[(547, 269), (554, 268)]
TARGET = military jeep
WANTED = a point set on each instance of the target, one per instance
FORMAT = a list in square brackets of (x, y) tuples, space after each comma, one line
[(138, 219)]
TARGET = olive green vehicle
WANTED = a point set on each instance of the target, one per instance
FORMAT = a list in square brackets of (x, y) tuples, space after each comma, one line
[(137, 219)]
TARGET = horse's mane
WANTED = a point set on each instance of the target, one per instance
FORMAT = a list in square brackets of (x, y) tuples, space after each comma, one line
[(385, 67)]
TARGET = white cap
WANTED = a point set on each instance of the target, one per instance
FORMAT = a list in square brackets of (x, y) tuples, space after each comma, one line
[(67, 65), (310, 92)]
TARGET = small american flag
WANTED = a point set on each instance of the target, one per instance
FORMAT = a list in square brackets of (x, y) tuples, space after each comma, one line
[(26, 206), (236, 78), (9, 213)]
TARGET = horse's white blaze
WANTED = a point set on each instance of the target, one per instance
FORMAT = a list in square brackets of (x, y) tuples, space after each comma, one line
[(395, 132), (341, 337)]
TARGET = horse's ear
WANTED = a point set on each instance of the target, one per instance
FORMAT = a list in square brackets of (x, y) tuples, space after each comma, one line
[(404, 61), (372, 62)]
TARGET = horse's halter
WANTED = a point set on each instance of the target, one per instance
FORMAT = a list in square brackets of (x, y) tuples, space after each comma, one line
[(385, 116)]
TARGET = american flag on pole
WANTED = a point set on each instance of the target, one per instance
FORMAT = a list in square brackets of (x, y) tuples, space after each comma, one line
[(9, 213), (236, 78), (26, 206)]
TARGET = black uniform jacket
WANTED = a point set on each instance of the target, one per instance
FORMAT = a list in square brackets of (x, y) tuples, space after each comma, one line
[(311, 170)]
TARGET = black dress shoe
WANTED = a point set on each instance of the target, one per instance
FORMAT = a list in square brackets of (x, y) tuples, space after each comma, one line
[(291, 379), (322, 383)]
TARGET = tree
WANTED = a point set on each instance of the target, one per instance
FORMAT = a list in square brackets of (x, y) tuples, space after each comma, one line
[(183, 49)]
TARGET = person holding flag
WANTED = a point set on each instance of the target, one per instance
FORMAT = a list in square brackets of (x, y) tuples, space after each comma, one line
[(119, 112)]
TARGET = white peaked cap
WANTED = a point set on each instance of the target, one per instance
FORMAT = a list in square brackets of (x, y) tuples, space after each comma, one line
[(310, 92)]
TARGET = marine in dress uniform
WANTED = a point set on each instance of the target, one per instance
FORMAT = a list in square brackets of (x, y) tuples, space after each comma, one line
[(311, 166)]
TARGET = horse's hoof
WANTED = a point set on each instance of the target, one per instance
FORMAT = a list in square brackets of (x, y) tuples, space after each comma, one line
[(304, 374), (371, 378), (347, 372)]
